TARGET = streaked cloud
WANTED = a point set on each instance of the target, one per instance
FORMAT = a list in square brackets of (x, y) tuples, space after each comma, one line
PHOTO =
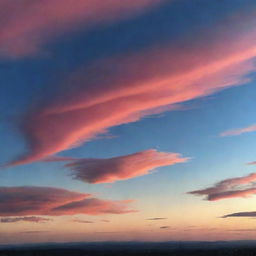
[(240, 214), (83, 221), (164, 227), (32, 232), (107, 221), (243, 230), (24, 201), (251, 128), (27, 219), (26, 26), (124, 88), (122, 167), (229, 188), (252, 163), (157, 219)]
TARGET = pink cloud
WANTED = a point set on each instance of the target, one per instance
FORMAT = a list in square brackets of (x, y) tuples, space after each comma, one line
[(230, 188), (251, 128), (252, 163), (122, 167), (27, 25), (123, 89), (27, 218), (24, 201), (93, 206), (157, 218)]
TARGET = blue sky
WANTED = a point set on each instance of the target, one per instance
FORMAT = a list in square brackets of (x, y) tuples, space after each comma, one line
[(76, 61)]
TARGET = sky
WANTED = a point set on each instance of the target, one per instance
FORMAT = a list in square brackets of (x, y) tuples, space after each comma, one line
[(127, 120)]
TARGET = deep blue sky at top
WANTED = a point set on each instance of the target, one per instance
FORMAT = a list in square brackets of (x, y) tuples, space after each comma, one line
[(192, 132)]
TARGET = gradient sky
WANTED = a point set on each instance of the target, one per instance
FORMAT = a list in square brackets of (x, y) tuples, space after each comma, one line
[(125, 120)]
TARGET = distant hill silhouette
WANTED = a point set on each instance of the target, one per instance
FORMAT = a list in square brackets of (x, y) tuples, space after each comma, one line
[(218, 248)]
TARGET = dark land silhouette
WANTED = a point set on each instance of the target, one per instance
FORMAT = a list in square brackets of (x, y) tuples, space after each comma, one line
[(220, 248)]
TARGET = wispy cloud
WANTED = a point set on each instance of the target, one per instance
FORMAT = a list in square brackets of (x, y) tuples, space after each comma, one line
[(28, 219), (34, 232), (240, 214), (124, 88), (164, 227), (229, 188), (24, 201), (251, 128), (27, 25), (83, 221), (243, 230), (122, 167), (252, 163), (157, 219)]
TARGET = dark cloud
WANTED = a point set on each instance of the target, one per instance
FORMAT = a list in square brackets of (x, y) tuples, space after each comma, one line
[(165, 227), (122, 167), (240, 214), (24, 201), (229, 188), (28, 219)]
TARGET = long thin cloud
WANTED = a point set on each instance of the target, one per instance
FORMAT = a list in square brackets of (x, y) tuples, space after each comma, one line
[(27, 25), (122, 167), (83, 221), (251, 163), (235, 132), (34, 232), (48, 201), (229, 188), (123, 89), (35, 219), (240, 214), (157, 218)]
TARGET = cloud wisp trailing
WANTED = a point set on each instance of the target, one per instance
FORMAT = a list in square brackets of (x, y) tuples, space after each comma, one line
[(157, 218), (229, 188), (83, 221), (123, 167), (106, 221), (251, 163), (35, 219), (240, 214), (235, 132), (34, 232), (124, 88), (48, 201), (26, 26)]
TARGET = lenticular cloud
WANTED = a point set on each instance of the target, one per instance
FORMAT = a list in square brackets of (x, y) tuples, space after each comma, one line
[(235, 132), (34, 219), (25, 201), (123, 89), (26, 26), (230, 188), (122, 167)]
